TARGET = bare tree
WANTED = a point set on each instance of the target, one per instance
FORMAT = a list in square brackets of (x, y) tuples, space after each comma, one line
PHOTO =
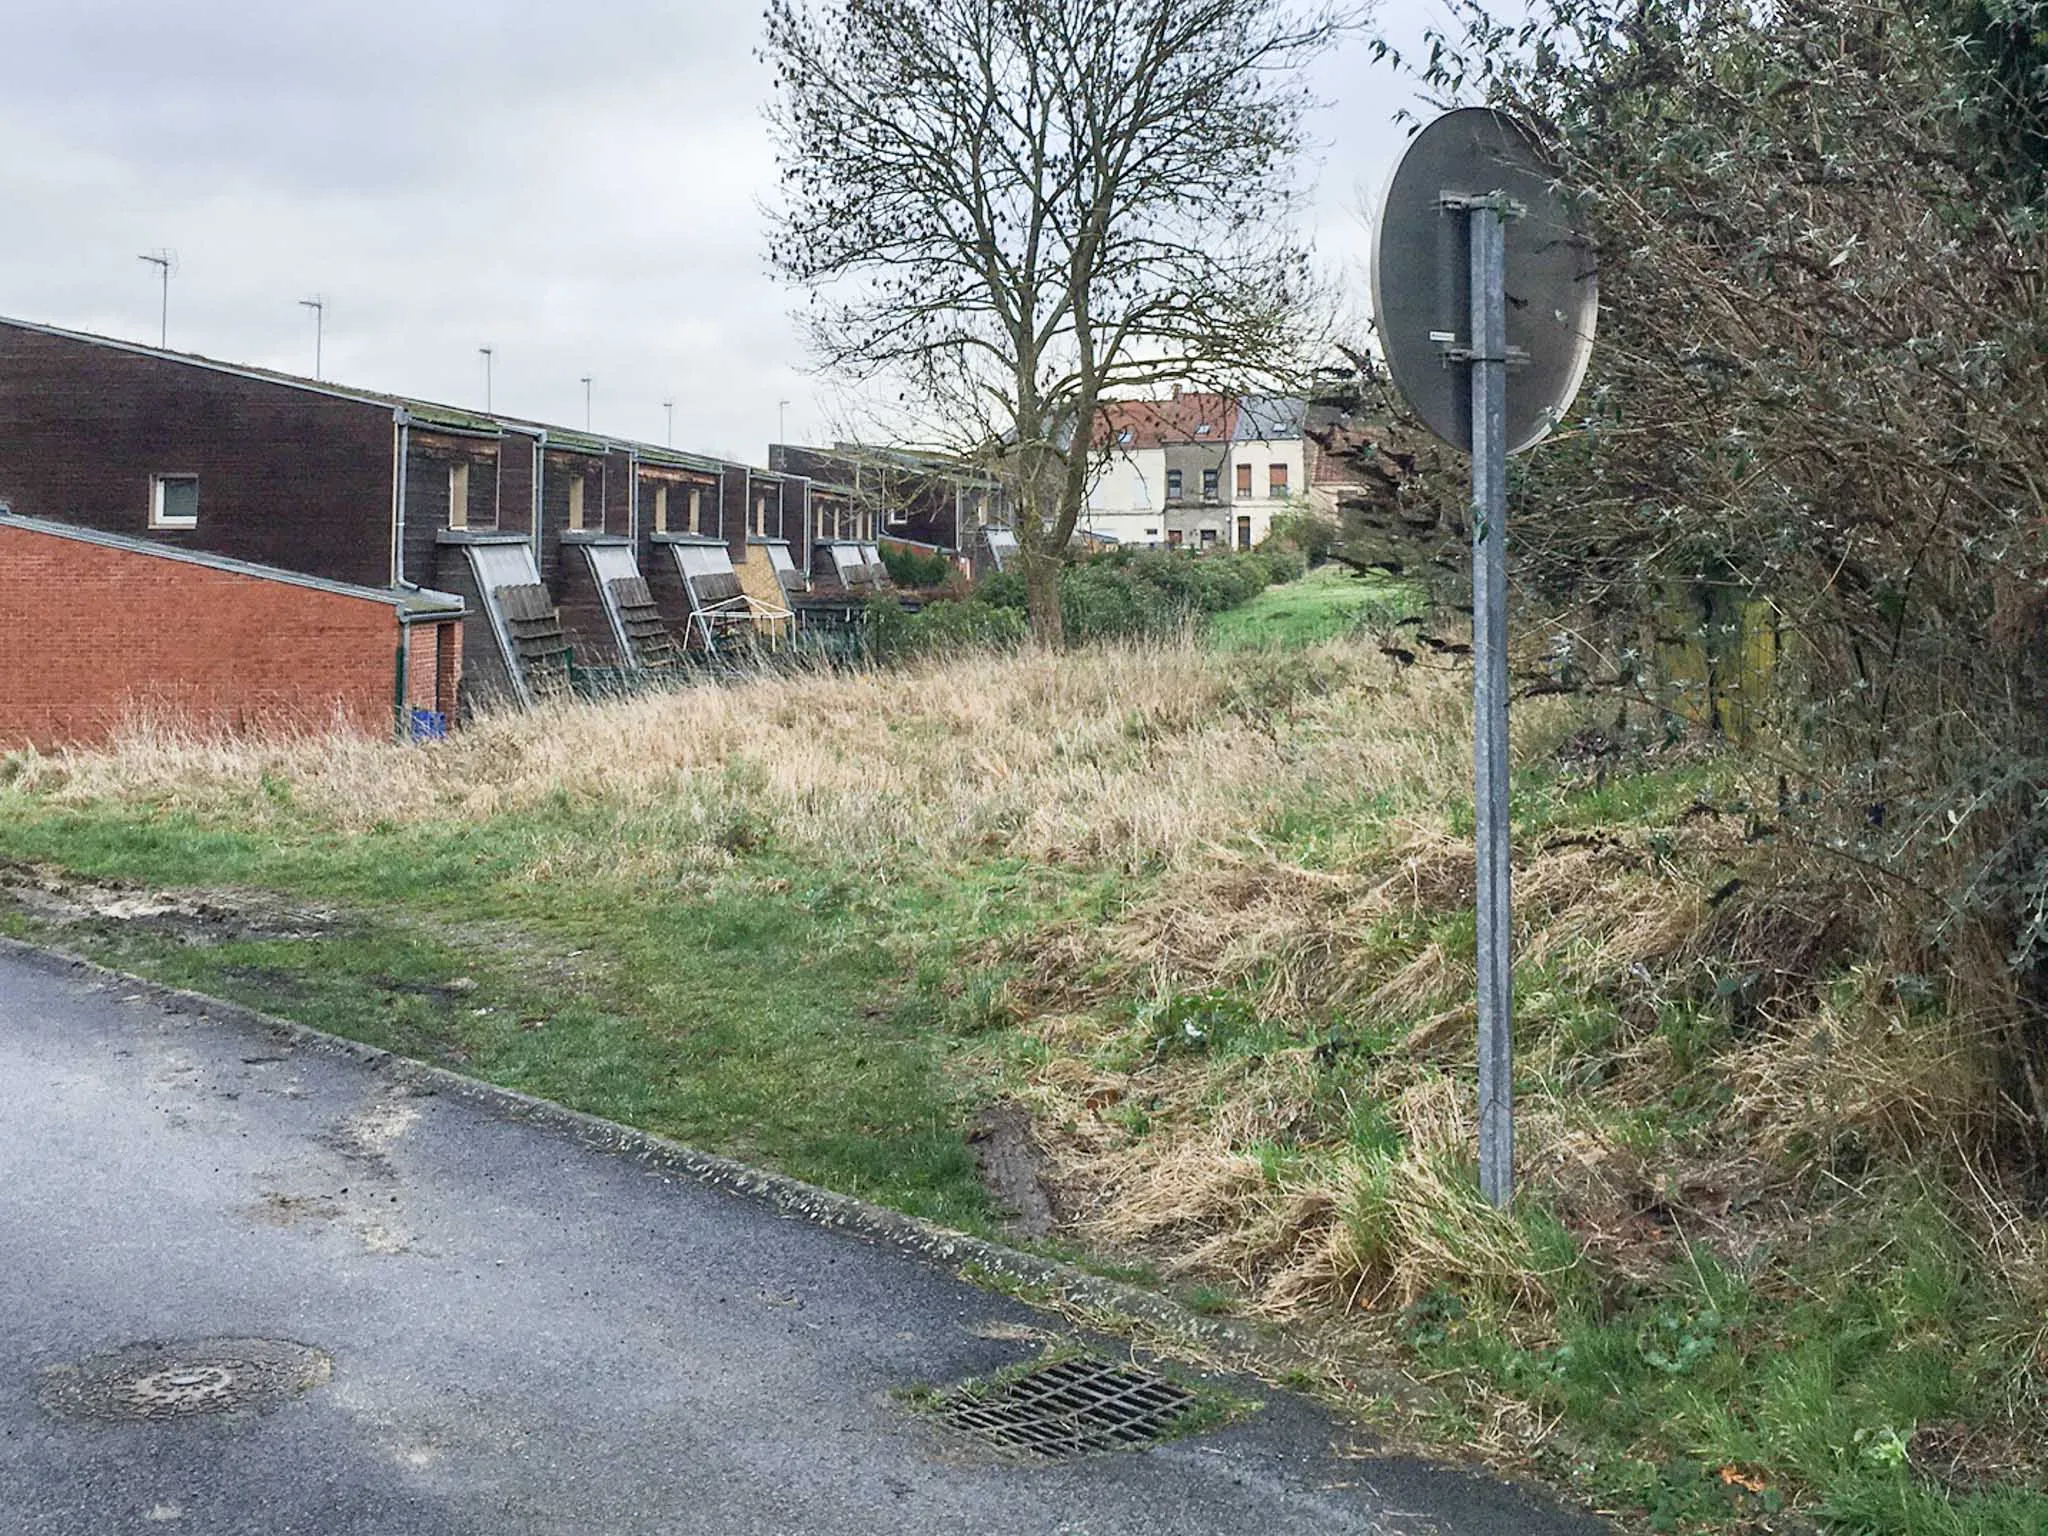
[(1010, 210)]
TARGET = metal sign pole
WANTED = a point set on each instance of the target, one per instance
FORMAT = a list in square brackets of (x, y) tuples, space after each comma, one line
[(1444, 259), (1486, 220)]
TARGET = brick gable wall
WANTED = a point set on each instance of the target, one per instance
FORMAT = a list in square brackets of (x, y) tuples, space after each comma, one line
[(92, 636)]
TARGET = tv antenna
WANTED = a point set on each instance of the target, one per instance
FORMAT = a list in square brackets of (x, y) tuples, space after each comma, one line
[(585, 381), (318, 305), (166, 264), (1481, 279), (669, 407), (485, 353)]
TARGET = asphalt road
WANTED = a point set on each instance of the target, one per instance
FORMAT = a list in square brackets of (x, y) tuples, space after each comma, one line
[(526, 1334)]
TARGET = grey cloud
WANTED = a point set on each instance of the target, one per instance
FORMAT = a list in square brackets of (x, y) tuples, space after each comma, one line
[(577, 187)]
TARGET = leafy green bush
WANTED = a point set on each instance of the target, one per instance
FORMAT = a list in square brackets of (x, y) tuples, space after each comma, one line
[(893, 633), (1131, 593), (1309, 534), (1284, 562), (915, 568)]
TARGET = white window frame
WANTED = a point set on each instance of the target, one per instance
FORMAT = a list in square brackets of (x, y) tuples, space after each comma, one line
[(157, 518), (458, 494)]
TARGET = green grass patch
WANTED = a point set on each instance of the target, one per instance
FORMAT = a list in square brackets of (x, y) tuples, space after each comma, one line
[(1329, 603)]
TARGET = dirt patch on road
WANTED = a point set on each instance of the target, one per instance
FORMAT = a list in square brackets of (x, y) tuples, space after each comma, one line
[(201, 917)]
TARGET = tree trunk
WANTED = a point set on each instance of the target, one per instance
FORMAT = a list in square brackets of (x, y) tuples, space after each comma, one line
[(1042, 596)]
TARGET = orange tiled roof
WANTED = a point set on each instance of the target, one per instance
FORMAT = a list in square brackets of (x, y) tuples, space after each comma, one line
[(1166, 423)]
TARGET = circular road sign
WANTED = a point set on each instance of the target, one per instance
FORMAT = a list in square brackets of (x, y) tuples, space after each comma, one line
[(1422, 278)]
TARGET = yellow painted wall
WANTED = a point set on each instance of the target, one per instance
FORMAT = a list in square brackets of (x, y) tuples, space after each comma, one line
[(759, 581)]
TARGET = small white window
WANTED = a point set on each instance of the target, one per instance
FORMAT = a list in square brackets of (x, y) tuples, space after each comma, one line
[(1123, 438), (1202, 430), (576, 502), (696, 510), (458, 495), (174, 501), (661, 509)]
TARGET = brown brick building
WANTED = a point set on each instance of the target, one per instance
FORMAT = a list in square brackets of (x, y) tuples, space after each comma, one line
[(534, 526)]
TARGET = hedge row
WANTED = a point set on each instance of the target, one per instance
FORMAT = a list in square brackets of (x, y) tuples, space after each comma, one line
[(1128, 594)]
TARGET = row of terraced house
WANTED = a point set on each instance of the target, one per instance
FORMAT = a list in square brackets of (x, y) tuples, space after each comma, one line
[(235, 547)]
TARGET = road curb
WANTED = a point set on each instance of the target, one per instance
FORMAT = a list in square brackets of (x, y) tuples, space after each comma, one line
[(1039, 1280)]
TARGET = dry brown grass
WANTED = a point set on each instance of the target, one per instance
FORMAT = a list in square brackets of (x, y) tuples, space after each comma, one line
[(1124, 758), (1171, 765)]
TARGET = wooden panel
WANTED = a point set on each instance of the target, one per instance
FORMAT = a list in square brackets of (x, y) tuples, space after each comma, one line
[(653, 645), (536, 635), (428, 456)]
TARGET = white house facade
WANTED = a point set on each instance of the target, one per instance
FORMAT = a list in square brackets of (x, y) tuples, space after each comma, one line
[(1126, 499), (1269, 466)]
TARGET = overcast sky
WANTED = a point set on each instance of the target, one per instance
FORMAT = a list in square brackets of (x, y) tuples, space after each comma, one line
[(575, 186)]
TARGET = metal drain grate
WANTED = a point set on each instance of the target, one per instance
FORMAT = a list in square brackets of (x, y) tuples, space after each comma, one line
[(1068, 1408), (152, 1382)]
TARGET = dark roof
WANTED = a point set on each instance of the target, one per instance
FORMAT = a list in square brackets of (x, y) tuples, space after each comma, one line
[(1270, 418), (922, 461), (407, 600), (426, 413)]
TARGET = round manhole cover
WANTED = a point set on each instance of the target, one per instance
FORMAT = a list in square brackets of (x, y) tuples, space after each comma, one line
[(152, 1382)]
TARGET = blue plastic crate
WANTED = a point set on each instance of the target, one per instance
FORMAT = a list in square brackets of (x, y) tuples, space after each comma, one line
[(428, 725)]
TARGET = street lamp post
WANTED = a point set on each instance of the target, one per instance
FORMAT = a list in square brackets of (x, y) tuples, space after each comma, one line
[(485, 352)]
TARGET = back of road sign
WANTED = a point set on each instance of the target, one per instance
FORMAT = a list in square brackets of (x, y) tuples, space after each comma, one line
[(1422, 282)]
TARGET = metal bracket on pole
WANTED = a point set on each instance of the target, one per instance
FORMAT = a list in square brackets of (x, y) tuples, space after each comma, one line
[(1489, 364), (1474, 202), (1457, 353)]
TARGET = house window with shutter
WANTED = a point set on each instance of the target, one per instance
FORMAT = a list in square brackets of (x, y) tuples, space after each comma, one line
[(1244, 482), (1276, 480), (458, 495), (1209, 478), (661, 509), (575, 503)]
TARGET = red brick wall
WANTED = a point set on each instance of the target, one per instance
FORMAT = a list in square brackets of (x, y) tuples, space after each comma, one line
[(433, 663), (90, 636)]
